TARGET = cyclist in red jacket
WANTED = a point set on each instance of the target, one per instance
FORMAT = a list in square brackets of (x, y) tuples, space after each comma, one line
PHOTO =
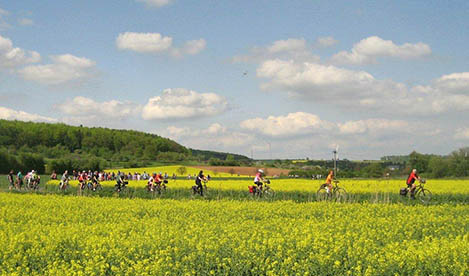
[(411, 182)]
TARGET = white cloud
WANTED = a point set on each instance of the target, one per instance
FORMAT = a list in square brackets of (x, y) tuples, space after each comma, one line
[(25, 22), (462, 133), (10, 114), (369, 49), (293, 124), (289, 45), (11, 57), (181, 103), (373, 126), (214, 137), (324, 82), (291, 48), (65, 68), (326, 42), (156, 3), (86, 107), (143, 42), (156, 43), (457, 83), (191, 47), (359, 90)]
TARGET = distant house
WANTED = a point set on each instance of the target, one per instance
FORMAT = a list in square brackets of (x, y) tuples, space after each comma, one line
[(393, 167)]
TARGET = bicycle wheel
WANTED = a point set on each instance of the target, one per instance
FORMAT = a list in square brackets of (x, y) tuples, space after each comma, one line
[(268, 193), (424, 195), (322, 194), (340, 195)]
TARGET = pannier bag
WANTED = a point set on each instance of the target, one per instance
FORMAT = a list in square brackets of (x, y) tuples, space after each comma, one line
[(251, 189), (403, 191)]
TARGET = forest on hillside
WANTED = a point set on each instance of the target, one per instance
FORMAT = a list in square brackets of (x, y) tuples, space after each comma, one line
[(47, 147)]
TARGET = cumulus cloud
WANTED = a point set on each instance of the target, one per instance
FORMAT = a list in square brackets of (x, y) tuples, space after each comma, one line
[(369, 49), (191, 47), (291, 48), (326, 42), (457, 83), (10, 114), (359, 90), (373, 126), (156, 3), (301, 123), (65, 68), (157, 43), (89, 108), (11, 57), (293, 124), (462, 133), (214, 137), (323, 82), (181, 103), (143, 42)]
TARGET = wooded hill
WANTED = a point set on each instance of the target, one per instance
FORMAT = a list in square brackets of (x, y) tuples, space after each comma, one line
[(40, 146), (28, 145)]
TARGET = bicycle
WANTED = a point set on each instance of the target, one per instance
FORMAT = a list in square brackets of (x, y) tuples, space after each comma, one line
[(63, 185), (420, 193), (94, 186), (338, 193), (197, 190), (263, 191), (33, 184), (157, 187), (121, 186)]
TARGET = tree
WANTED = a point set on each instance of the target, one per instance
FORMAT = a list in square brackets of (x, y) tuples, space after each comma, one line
[(419, 161), (232, 171), (181, 170), (438, 167), (374, 170), (459, 162)]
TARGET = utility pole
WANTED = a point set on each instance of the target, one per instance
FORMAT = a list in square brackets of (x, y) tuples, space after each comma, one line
[(336, 157)]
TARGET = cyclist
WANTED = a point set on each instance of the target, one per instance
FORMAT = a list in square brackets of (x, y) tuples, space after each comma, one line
[(82, 180), (411, 182), (259, 179), (35, 179), (198, 181), (19, 179), (158, 179), (329, 179), (11, 180), (121, 182), (151, 180), (64, 180), (94, 180)]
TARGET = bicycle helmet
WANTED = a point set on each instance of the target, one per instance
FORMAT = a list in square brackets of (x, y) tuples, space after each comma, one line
[(261, 171)]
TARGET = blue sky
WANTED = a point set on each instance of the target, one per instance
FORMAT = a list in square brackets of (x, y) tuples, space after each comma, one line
[(375, 77)]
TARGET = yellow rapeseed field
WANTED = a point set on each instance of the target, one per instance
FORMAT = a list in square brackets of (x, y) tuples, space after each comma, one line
[(69, 235)]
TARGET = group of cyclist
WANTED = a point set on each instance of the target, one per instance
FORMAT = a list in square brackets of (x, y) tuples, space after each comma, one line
[(156, 181), (16, 181)]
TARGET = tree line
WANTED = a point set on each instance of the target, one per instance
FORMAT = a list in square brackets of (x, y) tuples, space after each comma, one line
[(60, 146), (455, 164)]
